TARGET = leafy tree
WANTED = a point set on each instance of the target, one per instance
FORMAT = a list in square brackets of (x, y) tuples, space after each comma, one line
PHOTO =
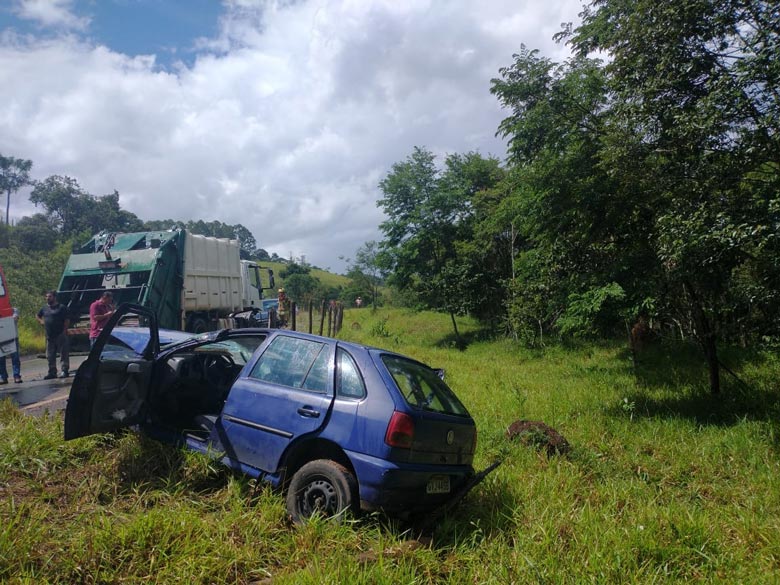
[(696, 115), (14, 174), (366, 273), (302, 287), (578, 236), (35, 233), (294, 268), (429, 218), (74, 212), (261, 254)]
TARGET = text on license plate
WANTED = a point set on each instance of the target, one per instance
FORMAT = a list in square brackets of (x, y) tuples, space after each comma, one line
[(438, 484)]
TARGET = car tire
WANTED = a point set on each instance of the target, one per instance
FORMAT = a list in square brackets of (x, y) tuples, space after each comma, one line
[(322, 487), (197, 325)]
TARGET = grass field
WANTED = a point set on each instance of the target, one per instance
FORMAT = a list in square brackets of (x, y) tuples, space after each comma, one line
[(662, 483)]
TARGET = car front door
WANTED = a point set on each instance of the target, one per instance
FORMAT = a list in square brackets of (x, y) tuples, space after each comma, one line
[(110, 388), (285, 394)]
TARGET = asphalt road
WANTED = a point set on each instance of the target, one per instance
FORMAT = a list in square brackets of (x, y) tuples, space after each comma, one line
[(36, 395)]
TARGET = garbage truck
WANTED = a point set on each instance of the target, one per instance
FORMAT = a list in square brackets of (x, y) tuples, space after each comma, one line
[(192, 282)]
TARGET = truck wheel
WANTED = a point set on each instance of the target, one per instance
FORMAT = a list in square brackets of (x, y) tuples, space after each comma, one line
[(197, 325), (322, 487)]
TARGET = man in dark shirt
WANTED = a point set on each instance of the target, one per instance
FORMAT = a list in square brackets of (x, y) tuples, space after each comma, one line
[(54, 318)]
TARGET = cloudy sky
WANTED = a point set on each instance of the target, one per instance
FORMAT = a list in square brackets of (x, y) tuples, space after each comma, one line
[(281, 115)]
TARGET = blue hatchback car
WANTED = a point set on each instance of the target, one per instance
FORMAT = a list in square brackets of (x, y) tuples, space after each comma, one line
[(339, 427)]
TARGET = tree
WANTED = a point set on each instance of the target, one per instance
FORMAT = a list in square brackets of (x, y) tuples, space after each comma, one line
[(696, 115), (35, 234), (294, 268), (14, 174), (74, 212), (581, 241), (430, 216), (261, 254), (366, 272)]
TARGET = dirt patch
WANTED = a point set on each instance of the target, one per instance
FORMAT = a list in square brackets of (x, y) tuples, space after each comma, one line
[(538, 435)]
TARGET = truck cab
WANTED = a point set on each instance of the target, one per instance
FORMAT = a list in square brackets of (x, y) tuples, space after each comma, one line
[(253, 284)]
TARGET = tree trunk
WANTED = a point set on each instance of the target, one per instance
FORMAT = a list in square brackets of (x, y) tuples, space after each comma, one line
[(711, 353), (707, 339), (458, 340), (632, 347)]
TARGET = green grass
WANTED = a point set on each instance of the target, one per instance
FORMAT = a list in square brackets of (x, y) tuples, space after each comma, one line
[(663, 483)]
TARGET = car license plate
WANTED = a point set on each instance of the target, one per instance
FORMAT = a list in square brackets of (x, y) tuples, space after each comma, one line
[(438, 484)]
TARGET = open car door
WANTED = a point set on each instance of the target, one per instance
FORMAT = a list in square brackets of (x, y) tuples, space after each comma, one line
[(111, 387)]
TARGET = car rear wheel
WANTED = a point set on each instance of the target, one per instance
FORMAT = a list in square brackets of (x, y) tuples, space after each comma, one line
[(322, 487)]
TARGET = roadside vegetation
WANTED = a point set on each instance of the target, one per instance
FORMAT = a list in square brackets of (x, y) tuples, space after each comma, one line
[(661, 484)]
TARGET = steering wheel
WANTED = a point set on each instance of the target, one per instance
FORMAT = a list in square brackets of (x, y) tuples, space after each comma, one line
[(218, 369)]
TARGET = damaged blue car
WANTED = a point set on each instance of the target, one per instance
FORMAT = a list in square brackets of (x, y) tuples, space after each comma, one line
[(338, 427)]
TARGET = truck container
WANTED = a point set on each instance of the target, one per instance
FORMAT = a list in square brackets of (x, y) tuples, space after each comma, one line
[(192, 282), (8, 332)]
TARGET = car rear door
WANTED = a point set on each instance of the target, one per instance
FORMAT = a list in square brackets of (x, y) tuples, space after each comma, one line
[(110, 388), (285, 394)]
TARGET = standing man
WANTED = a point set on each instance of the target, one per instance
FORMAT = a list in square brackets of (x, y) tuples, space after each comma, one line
[(54, 318), (99, 313), (281, 310), (16, 363)]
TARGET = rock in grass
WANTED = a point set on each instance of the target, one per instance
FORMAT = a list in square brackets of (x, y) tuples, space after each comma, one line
[(539, 435)]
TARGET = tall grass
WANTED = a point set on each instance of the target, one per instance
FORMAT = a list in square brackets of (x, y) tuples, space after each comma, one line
[(663, 483)]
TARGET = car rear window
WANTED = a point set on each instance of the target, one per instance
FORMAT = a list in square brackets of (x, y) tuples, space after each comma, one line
[(421, 387)]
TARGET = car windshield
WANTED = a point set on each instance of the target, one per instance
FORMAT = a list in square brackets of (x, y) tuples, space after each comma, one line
[(240, 349), (135, 339), (421, 387)]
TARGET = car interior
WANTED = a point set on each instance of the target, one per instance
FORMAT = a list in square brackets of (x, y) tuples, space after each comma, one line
[(194, 383)]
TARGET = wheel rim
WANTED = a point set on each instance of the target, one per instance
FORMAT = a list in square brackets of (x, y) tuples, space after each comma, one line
[(320, 496)]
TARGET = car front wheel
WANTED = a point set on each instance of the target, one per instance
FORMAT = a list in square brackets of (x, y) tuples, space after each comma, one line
[(322, 487)]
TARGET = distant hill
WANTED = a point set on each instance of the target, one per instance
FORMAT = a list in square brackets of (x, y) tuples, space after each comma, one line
[(326, 278)]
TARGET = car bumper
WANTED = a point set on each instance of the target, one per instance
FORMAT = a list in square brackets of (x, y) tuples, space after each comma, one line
[(397, 488)]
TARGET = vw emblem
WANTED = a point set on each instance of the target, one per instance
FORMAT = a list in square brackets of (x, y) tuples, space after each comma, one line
[(450, 437)]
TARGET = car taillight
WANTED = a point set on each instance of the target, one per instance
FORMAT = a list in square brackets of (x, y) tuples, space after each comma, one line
[(400, 430)]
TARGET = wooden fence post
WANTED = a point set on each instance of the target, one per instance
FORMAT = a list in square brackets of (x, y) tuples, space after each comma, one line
[(322, 317), (293, 316), (339, 319), (311, 311)]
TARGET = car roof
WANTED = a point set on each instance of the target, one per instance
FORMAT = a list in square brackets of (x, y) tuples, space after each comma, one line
[(179, 337)]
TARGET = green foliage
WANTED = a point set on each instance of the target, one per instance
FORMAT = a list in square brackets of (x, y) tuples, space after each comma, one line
[(584, 311), (430, 222), (294, 268), (76, 213), (649, 181), (29, 276)]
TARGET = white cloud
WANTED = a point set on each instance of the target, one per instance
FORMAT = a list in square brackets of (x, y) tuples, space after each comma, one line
[(285, 123), (50, 13)]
